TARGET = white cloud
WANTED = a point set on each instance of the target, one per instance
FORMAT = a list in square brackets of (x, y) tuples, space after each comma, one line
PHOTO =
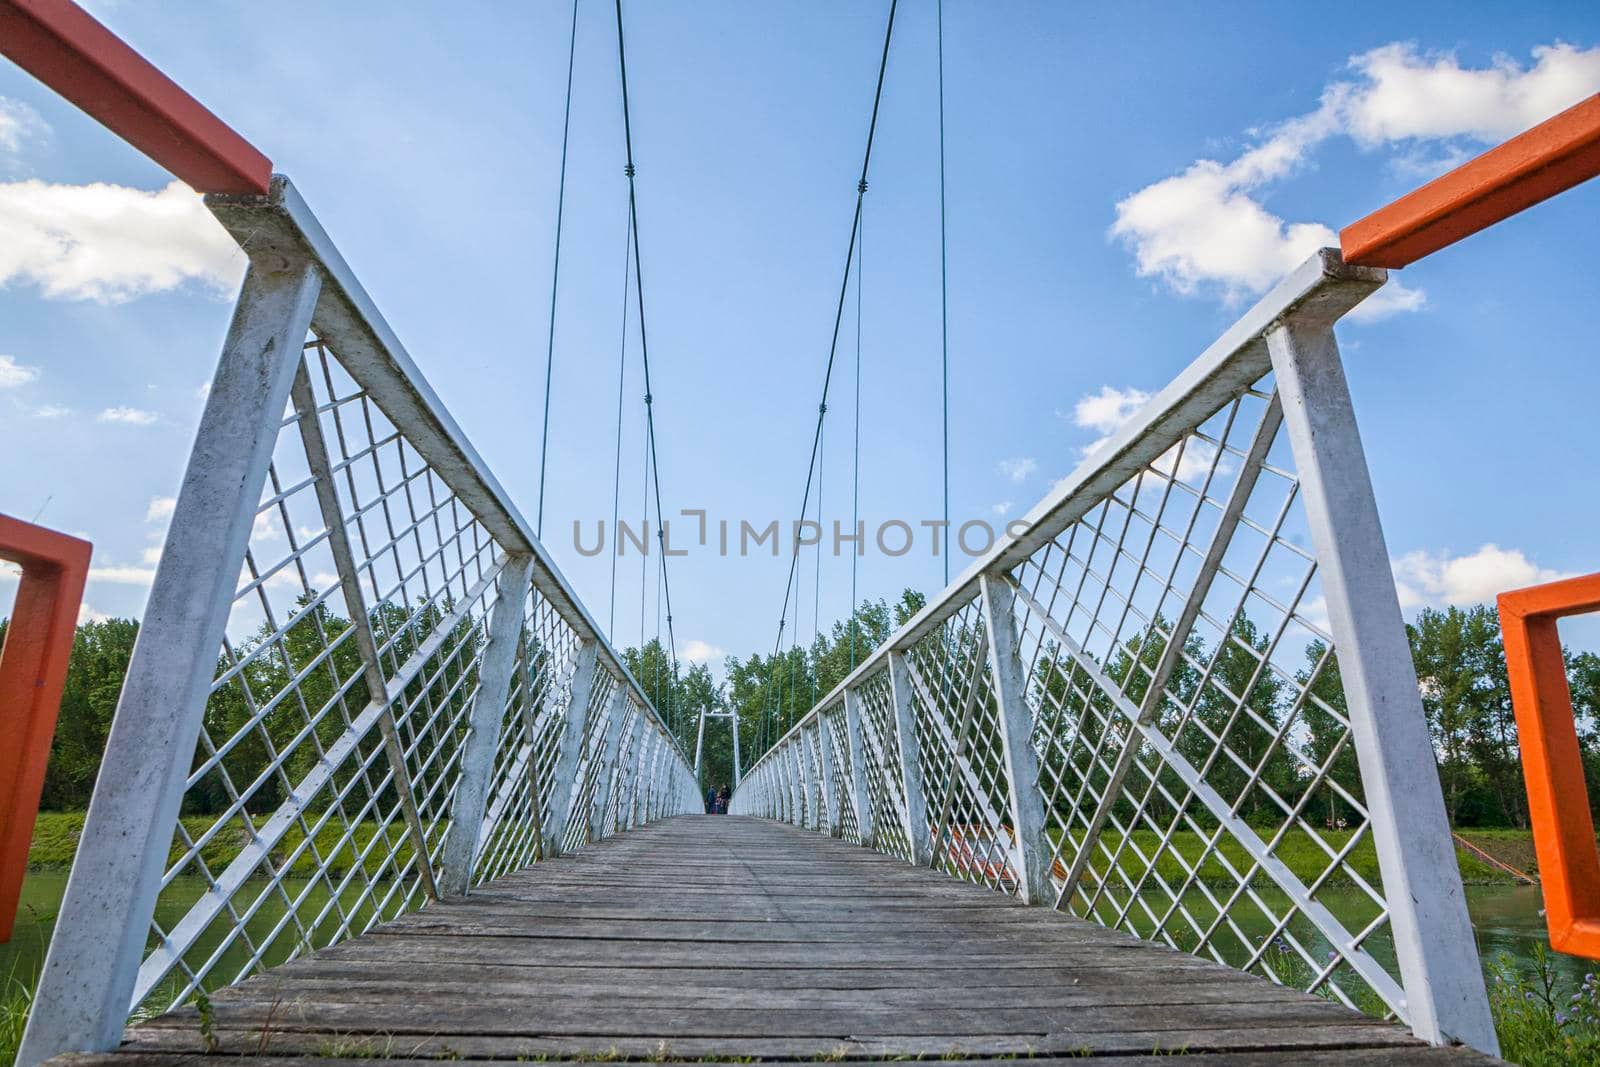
[(265, 527), (160, 509), (1206, 230), (698, 651), (89, 614), (19, 123), (121, 574), (1108, 409), (1002, 508), (110, 243), (13, 374), (151, 555), (1018, 469), (131, 416), (51, 411), (1411, 96), (1425, 579)]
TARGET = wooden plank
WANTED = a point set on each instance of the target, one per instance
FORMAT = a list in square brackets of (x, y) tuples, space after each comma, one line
[(727, 937)]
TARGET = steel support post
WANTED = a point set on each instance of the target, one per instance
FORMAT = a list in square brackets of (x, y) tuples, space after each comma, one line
[(1439, 967), (104, 919), (495, 669), (605, 774), (738, 763), (918, 830), (565, 789), (859, 794), (699, 741), (1016, 741)]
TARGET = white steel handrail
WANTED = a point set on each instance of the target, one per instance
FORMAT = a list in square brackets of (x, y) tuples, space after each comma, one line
[(398, 753), (1124, 774)]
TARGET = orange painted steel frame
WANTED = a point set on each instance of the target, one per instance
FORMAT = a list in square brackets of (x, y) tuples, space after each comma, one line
[(1558, 802), (33, 670), (1533, 166), (65, 48)]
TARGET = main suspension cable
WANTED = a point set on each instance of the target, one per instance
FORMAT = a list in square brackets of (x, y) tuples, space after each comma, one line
[(644, 339), (555, 270), (791, 584), (616, 473), (944, 300)]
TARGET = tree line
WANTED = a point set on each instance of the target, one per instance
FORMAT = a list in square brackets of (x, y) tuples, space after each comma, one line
[(1458, 654)]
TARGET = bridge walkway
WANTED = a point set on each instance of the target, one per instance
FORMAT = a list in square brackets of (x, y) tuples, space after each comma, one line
[(728, 938)]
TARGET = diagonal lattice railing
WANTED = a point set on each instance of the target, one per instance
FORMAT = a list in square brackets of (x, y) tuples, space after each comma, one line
[(1177, 699), (361, 685)]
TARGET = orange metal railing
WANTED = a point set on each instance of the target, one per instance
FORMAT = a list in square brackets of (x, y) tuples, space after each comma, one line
[(1533, 166), (1552, 763), (33, 670)]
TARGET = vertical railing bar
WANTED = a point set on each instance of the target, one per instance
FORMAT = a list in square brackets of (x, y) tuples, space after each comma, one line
[(1016, 738), (1439, 966), (82, 1000), (495, 669)]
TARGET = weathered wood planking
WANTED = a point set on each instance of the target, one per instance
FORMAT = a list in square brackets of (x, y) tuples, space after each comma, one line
[(720, 937)]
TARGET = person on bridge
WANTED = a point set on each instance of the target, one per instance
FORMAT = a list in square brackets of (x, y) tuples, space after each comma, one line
[(711, 801), (722, 800)]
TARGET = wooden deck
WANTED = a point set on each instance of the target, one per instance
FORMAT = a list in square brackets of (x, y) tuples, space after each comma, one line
[(727, 938)]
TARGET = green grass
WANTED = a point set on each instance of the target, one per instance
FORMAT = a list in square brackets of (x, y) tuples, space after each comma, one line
[(1540, 1021), (1303, 855), (55, 841)]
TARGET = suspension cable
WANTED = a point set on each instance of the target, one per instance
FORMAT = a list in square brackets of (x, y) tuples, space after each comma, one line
[(944, 301), (791, 584), (855, 489), (644, 341), (555, 271), (616, 472)]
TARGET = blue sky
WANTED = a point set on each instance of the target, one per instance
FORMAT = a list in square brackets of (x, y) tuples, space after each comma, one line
[(1121, 182)]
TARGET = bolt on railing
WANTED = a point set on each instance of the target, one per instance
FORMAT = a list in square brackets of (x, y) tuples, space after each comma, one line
[(360, 683), (1180, 703)]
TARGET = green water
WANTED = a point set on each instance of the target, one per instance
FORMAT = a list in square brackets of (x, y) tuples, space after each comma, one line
[(1506, 919)]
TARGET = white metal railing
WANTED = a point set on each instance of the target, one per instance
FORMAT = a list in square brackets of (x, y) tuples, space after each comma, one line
[(360, 684), (1181, 703)]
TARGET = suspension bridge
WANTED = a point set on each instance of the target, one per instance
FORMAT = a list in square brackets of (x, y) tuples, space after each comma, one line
[(1038, 820)]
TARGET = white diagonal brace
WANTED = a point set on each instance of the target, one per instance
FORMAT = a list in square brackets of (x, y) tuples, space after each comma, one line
[(1445, 998), (344, 562), (1172, 653), (495, 669), (956, 745), (100, 932), (247, 864), (1234, 824), (1016, 741)]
